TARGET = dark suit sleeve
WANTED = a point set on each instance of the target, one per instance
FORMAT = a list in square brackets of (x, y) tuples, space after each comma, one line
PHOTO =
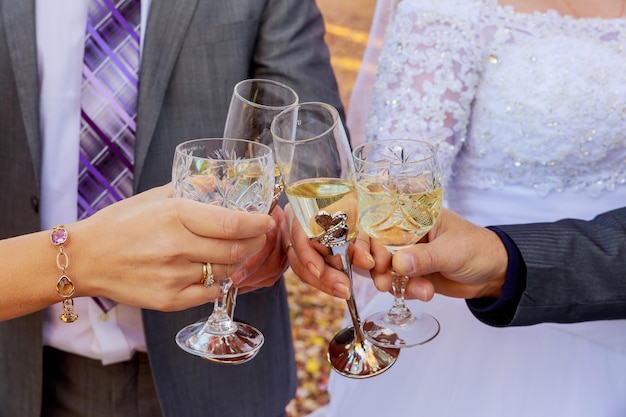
[(576, 270), (291, 49)]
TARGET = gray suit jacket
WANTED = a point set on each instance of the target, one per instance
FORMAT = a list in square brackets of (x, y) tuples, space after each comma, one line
[(194, 53), (576, 270)]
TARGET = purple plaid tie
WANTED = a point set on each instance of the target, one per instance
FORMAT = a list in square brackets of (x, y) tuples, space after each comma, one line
[(108, 107)]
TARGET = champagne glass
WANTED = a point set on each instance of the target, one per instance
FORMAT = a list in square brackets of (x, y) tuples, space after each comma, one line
[(253, 105), (313, 154), (400, 196), (237, 174)]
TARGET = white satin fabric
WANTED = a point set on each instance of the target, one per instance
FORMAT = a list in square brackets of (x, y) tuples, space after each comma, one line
[(529, 113)]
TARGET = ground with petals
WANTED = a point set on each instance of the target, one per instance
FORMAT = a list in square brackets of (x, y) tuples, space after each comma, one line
[(315, 318)]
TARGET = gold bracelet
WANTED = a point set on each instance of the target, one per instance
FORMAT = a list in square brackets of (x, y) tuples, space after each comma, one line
[(65, 286)]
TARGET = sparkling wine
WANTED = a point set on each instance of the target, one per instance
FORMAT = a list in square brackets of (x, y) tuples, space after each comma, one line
[(308, 197), (397, 220)]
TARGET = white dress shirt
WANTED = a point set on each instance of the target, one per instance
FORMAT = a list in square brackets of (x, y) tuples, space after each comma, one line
[(60, 25)]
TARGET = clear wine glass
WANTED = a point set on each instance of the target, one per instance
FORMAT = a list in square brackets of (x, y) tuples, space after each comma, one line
[(313, 154), (253, 105), (237, 174), (400, 196)]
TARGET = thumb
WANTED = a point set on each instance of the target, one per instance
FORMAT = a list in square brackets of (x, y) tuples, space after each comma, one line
[(415, 261)]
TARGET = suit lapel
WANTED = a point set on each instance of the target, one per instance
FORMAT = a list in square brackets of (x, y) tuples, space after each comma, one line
[(19, 20), (167, 24)]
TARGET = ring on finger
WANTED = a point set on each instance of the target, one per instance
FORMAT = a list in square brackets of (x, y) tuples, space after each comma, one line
[(208, 278), (289, 246)]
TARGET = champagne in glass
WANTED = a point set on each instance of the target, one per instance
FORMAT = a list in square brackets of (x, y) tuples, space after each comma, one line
[(313, 154), (308, 197), (400, 197), (237, 174)]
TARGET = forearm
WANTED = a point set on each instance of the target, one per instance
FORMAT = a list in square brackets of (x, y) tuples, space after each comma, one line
[(29, 274), (28, 282), (145, 251)]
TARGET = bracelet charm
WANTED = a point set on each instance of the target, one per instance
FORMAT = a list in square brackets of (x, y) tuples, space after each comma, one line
[(65, 286)]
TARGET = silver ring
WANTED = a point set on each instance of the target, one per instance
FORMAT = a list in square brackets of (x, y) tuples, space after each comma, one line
[(208, 278)]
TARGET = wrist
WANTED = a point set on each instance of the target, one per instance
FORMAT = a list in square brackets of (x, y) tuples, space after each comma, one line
[(59, 237), (499, 264), (499, 310), (82, 263)]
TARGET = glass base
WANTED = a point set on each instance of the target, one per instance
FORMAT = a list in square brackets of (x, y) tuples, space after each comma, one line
[(233, 348), (382, 330), (354, 359)]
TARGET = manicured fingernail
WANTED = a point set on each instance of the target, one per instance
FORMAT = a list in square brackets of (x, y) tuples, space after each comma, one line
[(370, 259), (312, 269), (239, 275), (340, 290)]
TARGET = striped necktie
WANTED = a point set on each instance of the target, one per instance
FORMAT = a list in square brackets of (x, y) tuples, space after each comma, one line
[(108, 107)]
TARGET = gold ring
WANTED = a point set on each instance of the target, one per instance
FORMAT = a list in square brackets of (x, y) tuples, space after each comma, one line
[(208, 278)]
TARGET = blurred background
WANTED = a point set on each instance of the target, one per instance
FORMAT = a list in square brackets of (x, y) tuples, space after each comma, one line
[(316, 316)]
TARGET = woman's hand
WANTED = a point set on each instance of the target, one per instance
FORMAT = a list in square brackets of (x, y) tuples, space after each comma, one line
[(148, 250), (265, 267), (309, 264)]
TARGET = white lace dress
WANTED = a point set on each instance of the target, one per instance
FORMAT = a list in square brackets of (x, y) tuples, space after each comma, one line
[(529, 111)]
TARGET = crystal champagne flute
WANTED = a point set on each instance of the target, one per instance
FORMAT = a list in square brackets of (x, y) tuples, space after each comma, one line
[(400, 196), (253, 105), (237, 174), (313, 154)]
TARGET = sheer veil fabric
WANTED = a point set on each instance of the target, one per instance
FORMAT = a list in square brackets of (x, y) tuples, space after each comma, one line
[(361, 96), (358, 109)]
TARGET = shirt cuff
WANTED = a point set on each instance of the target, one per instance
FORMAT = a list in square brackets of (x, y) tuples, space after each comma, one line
[(500, 311)]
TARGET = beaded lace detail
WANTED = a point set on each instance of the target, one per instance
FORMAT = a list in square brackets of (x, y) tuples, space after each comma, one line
[(533, 100)]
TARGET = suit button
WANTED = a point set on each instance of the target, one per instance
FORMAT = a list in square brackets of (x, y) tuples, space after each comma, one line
[(34, 203)]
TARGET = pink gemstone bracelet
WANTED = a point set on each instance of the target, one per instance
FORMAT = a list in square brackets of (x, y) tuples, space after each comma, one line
[(65, 286)]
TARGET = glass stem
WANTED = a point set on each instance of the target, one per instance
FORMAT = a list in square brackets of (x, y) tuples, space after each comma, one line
[(231, 301), (220, 321), (342, 252), (399, 313)]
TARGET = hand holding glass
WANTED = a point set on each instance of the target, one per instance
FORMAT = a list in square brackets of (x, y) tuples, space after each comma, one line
[(313, 154), (252, 108), (400, 195), (237, 174)]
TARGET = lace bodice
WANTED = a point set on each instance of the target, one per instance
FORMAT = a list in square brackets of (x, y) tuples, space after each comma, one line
[(528, 100)]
